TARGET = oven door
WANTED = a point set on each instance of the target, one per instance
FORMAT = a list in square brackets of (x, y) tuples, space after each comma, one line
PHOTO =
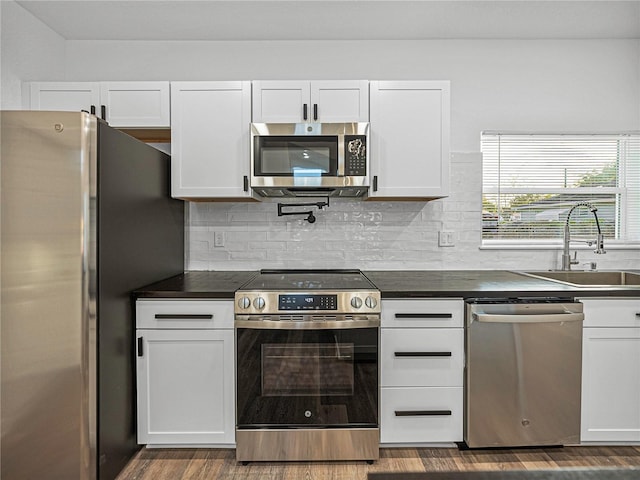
[(307, 378)]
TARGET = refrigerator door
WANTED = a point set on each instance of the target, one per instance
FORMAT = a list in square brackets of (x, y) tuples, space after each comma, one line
[(48, 296)]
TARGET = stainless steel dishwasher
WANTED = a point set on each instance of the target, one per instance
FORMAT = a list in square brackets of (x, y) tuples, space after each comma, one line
[(522, 372)]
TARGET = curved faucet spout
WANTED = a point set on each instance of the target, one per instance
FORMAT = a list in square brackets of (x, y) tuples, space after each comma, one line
[(566, 254)]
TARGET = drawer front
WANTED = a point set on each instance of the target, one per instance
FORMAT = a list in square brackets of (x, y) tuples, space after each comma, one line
[(421, 415), (421, 357), (423, 313), (184, 314), (611, 312)]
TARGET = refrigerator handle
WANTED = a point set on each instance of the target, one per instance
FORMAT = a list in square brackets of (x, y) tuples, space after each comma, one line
[(140, 353)]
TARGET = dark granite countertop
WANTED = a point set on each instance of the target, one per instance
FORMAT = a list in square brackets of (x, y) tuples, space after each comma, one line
[(214, 284), (392, 284)]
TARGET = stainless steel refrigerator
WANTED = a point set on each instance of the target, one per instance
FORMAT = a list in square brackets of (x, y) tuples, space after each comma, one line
[(86, 218)]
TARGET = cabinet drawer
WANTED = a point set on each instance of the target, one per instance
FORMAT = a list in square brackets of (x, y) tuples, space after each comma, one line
[(417, 415), (422, 313), (421, 357), (184, 314), (611, 312)]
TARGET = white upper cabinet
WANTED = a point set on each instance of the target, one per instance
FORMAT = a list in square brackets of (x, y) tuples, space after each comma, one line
[(327, 101), (121, 104), (210, 139), (409, 139)]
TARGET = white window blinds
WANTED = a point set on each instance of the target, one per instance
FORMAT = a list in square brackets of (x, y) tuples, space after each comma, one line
[(531, 181)]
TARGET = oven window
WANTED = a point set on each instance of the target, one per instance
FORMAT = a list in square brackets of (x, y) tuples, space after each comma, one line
[(307, 369), (307, 156), (306, 378)]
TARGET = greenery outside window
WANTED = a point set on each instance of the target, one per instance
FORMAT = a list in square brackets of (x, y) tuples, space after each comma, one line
[(531, 181)]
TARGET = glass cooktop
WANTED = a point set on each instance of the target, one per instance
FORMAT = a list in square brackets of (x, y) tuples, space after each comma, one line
[(305, 280)]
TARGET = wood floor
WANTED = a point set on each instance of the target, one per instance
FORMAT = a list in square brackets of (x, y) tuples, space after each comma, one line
[(219, 464)]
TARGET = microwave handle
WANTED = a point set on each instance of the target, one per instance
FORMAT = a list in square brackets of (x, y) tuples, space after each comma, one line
[(304, 111)]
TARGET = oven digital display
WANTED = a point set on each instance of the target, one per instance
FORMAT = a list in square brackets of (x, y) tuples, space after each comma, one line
[(307, 302)]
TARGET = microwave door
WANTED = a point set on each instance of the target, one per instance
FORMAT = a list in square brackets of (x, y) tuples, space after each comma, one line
[(294, 156)]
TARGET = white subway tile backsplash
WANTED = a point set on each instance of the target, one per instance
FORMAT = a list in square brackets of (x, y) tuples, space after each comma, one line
[(369, 235)]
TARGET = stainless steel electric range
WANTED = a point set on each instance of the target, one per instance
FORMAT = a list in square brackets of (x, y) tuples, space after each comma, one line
[(307, 366)]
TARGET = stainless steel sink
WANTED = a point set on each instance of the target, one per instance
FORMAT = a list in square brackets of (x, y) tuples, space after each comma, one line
[(592, 279)]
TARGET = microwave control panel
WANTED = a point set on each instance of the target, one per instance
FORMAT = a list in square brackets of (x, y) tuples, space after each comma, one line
[(355, 155)]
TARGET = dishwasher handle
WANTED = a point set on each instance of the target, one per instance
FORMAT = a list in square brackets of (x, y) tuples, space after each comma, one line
[(528, 318)]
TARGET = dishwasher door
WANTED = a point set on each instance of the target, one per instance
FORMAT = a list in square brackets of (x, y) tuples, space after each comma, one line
[(523, 373)]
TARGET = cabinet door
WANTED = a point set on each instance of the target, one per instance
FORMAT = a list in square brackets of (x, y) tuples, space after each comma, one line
[(340, 101), (135, 104), (611, 385), (185, 387), (210, 124), (409, 139), (65, 96), (276, 101)]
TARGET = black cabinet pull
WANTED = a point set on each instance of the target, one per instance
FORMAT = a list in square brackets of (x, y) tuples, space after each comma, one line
[(93, 109), (315, 111), (183, 316), (140, 346), (103, 112), (424, 315), (246, 183), (414, 413), (638, 314), (304, 111), (422, 354), (375, 183)]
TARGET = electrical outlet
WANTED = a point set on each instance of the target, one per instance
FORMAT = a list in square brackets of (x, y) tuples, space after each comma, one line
[(445, 238), (218, 239)]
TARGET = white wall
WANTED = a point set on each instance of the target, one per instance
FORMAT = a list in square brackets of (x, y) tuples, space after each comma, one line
[(532, 85), (29, 50)]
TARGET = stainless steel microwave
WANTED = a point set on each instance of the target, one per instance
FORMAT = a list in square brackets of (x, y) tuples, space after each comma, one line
[(310, 159)]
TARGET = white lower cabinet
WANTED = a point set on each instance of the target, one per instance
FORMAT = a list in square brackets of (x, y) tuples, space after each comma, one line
[(611, 371), (421, 371), (421, 414), (185, 372)]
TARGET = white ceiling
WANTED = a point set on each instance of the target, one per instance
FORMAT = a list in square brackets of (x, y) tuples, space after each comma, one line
[(336, 19)]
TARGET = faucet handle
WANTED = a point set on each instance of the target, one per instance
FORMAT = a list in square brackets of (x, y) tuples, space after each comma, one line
[(574, 260)]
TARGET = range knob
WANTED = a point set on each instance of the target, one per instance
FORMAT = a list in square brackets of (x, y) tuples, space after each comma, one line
[(371, 302), (244, 302), (258, 303), (356, 302)]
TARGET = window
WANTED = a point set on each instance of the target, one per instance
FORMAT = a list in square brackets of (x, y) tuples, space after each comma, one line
[(531, 181)]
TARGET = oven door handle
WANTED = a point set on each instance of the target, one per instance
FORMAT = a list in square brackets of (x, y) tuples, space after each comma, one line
[(306, 325)]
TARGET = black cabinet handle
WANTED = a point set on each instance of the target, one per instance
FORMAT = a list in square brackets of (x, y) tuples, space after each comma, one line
[(424, 315), (93, 109), (246, 183), (304, 111), (103, 112), (422, 354), (375, 183), (183, 316), (638, 314), (315, 111), (414, 413), (140, 346)]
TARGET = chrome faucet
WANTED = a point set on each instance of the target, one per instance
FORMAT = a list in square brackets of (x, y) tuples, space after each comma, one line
[(567, 261)]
